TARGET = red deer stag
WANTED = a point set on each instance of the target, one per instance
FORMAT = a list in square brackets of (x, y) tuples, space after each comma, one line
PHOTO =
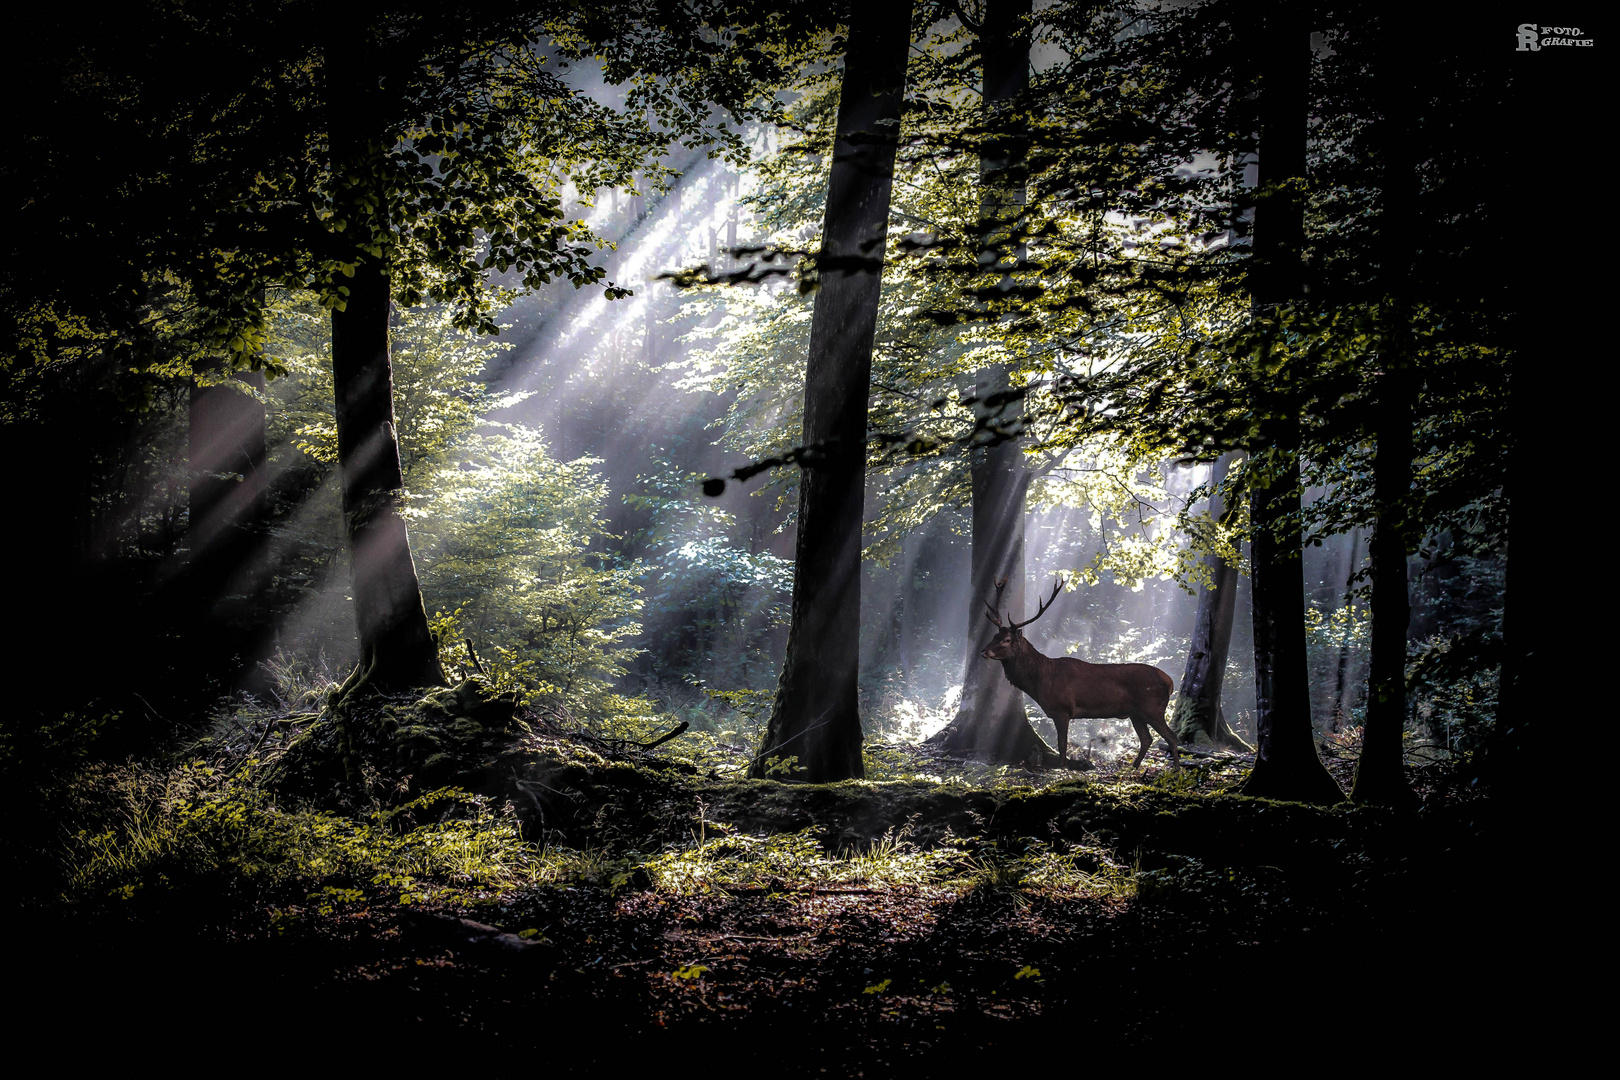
[(1070, 689)]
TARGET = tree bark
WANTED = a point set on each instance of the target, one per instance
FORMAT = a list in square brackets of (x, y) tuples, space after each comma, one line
[(816, 715), (1380, 773), (1198, 708), (397, 652), (991, 724), (1341, 680), (1286, 762)]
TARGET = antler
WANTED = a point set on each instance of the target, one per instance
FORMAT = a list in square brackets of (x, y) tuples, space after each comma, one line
[(994, 616), (1057, 588)]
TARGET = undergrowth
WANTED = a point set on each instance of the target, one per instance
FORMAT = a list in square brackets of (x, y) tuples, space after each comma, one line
[(785, 861), (145, 831), (192, 826), (604, 814)]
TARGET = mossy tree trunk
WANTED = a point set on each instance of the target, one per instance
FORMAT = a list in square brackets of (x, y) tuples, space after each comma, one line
[(1287, 765), (816, 715), (1198, 707)]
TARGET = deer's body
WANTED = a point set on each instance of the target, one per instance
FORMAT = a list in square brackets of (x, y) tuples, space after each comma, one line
[(1070, 689)]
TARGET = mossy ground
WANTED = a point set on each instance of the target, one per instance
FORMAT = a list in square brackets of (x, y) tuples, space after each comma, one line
[(654, 900)]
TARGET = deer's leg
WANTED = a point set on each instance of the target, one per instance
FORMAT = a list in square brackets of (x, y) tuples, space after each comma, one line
[(1156, 723), (1062, 725), (1170, 737), (1142, 737)]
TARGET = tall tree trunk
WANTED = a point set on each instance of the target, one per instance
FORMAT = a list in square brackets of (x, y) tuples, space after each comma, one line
[(396, 650), (991, 724), (1286, 762), (1198, 708), (1380, 774), (1341, 681), (1286, 765), (816, 715)]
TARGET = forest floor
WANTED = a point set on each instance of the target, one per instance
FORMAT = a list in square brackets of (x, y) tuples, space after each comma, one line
[(885, 928)]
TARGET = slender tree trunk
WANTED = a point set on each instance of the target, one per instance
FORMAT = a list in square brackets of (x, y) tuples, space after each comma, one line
[(1380, 774), (1198, 708), (991, 724), (816, 715), (396, 650), (1286, 762), (1341, 680)]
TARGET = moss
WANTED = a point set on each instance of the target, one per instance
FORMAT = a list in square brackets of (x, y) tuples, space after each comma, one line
[(567, 793), (389, 750), (574, 797)]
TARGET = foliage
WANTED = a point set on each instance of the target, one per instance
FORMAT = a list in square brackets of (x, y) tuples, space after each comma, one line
[(943, 319), (504, 538), (163, 829), (1126, 328), (276, 144), (1458, 685), (1337, 648), (503, 533), (712, 602)]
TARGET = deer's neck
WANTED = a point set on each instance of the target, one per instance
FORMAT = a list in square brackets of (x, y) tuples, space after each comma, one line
[(1024, 666)]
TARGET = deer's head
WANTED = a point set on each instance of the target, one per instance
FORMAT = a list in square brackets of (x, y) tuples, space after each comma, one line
[(1010, 640), (1004, 645)]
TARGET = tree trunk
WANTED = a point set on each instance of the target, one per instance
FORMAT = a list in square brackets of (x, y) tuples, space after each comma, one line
[(1380, 773), (397, 652), (816, 715), (991, 724), (1342, 691), (1198, 708), (1286, 762)]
